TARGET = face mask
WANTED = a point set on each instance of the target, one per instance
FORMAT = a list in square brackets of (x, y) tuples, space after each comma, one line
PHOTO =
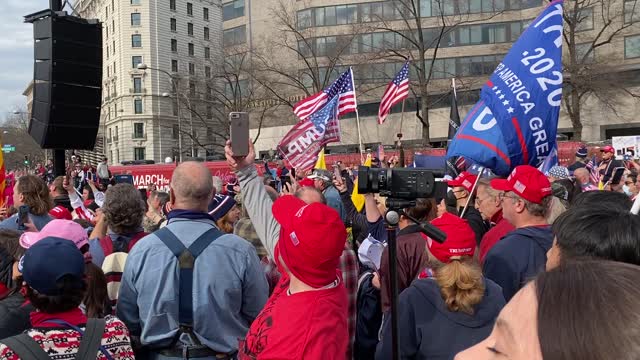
[(626, 190)]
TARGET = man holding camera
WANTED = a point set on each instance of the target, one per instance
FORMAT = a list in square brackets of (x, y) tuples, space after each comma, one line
[(306, 317)]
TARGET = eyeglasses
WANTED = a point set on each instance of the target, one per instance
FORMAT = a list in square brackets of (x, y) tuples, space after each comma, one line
[(504, 195)]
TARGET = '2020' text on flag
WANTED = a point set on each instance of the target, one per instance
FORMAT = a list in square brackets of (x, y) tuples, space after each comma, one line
[(343, 87), (301, 145), (516, 120)]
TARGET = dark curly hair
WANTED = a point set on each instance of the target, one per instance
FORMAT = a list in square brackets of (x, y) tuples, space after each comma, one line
[(123, 209)]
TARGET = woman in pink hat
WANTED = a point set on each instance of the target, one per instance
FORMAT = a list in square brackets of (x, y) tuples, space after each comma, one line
[(452, 307)]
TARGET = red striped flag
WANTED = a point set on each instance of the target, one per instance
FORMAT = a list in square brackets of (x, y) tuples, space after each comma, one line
[(343, 87), (398, 89), (301, 145)]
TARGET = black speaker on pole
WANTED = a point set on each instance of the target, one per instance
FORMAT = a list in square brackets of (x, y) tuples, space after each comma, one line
[(67, 91)]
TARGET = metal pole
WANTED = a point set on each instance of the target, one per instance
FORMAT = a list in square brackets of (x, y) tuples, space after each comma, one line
[(473, 190), (55, 5), (359, 137), (58, 162), (392, 217), (193, 154), (175, 93)]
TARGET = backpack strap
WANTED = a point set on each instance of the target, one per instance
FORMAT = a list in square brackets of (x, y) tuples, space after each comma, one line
[(26, 348), (186, 261), (91, 339)]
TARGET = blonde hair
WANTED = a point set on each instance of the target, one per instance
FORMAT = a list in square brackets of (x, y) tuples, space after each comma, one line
[(224, 224), (461, 284)]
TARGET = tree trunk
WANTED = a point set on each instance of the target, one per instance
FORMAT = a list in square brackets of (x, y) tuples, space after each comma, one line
[(424, 113), (575, 114)]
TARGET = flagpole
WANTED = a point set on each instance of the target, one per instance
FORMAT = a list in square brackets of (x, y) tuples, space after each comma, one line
[(359, 137), (473, 190), (401, 116)]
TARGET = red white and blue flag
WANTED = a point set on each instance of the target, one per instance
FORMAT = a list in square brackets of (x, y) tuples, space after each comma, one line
[(516, 120), (594, 173), (397, 90), (343, 87), (301, 145)]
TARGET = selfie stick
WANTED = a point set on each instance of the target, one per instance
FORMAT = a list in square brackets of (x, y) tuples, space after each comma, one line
[(473, 191)]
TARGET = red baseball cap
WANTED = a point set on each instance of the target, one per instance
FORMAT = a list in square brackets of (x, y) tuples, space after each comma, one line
[(465, 180), (608, 149), (61, 213), (312, 239), (527, 182), (305, 182), (461, 240)]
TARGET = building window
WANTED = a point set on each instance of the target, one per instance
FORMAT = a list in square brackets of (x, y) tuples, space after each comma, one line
[(114, 69), (232, 10), (117, 153), (135, 61), (234, 36), (136, 40), (189, 9), (205, 14), (135, 19), (114, 47), (174, 25), (137, 85), (207, 53), (207, 71), (583, 19), (175, 131), (174, 45), (191, 49), (632, 47), (631, 11), (190, 29), (172, 5), (192, 69), (106, 11), (138, 130), (113, 26), (138, 153), (137, 106), (581, 51), (206, 33), (135, 2), (192, 89), (174, 65)]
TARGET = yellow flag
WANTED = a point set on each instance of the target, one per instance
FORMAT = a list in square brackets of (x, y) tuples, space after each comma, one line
[(320, 164), (358, 199)]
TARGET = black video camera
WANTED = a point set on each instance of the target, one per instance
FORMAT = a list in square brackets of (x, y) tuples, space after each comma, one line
[(404, 183)]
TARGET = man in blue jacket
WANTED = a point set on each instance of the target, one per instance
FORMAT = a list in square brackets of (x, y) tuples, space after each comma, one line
[(522, 253)]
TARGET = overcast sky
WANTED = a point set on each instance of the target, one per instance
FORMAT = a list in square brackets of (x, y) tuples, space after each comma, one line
[(16, 51)]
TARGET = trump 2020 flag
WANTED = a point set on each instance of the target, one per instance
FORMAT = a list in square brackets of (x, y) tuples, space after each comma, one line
[(301, 145), (516, 120)]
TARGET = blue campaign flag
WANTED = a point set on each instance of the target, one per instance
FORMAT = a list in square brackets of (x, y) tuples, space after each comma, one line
[(516, 120)]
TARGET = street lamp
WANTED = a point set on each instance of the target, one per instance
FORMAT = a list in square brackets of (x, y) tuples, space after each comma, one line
[(144, 67)]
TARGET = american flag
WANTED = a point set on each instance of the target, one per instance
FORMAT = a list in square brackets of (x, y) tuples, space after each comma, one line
[(398, 89), (343, 87), (594, 173), (301, 145)]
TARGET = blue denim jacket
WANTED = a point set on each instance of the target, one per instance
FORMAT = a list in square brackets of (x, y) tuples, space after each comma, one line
[(229, 289)]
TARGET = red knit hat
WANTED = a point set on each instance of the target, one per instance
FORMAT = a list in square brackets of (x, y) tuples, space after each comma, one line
[(312, 239), (461, 240)]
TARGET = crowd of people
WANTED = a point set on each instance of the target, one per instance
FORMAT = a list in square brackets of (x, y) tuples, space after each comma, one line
[(287, 265)]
